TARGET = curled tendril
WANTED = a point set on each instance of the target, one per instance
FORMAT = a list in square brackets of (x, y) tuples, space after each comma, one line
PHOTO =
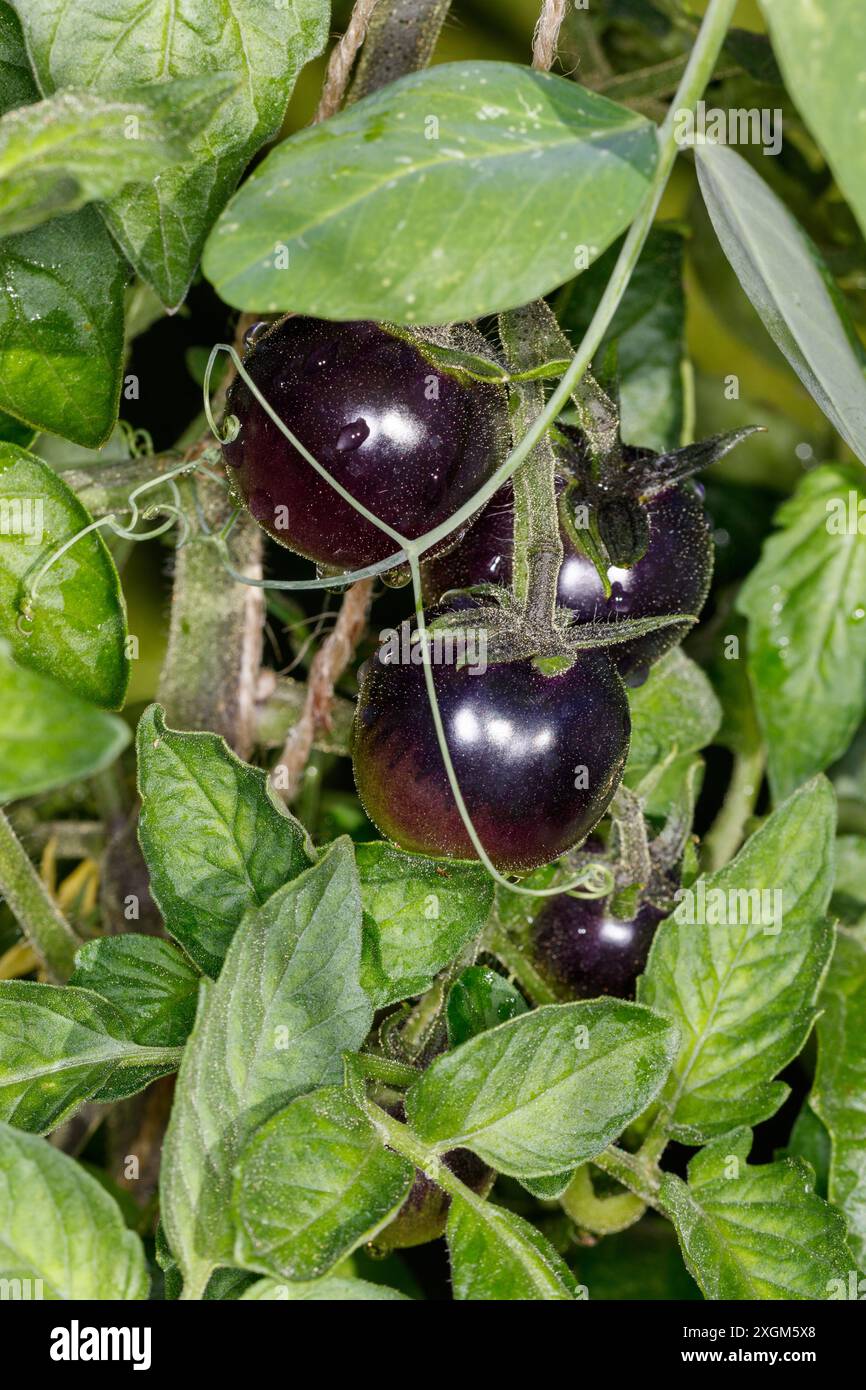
[(175, 516)]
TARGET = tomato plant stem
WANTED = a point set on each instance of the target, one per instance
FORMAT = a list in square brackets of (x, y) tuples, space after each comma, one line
[(537, 541), (632, 1172), (728, 830), (44, 925), (401, 37)]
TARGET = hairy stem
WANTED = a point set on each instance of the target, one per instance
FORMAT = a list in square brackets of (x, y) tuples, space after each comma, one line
[(33, 907), (633, 1172), (208, 680), (537, 540), (728, 830), (401, 38)]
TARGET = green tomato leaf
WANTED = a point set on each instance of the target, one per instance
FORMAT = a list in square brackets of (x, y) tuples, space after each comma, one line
[(675, 710), (545, 1091), (62, 1046), (848, 902), (480, 999), (537, 176), (784, 276), (739, 966), (648, 332), (840, 1084), (332, 1290), (498, 1257), (17, 87), (48, 736), (61, 1230), (76, 147), (61, 311), (148, 980), (806, 605), (820, 46), (810, 1139), (419, 913), (162, 226), (313, 1184), (216, 841), (286, 1006), (755, 1232), (76, 632), (61, 327)]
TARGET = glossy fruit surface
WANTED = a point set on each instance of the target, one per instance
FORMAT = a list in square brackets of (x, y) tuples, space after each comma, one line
[(537, 758), (672, 577), (409, 441), (584, 947)]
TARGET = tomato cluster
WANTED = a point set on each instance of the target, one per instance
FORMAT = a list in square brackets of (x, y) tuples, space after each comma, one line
[(538, 749)]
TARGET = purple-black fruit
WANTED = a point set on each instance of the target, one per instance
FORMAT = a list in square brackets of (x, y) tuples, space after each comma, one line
[(424, 1213), (673, 576), (407, 439), (538, 758), (588, 950)]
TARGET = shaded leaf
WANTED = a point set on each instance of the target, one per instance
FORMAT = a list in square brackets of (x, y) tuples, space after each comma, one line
[(76, 147), (783, 275), (648, 331), (62, 1046), (478, 1000)]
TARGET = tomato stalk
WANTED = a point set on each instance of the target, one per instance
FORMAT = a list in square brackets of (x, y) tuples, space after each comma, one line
[(401, 37), (44, 925)]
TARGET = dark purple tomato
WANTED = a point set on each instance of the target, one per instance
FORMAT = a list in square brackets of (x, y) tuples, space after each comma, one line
[(589, 951), (537, 757), (672, 577), (406, 439), (424, 1213)]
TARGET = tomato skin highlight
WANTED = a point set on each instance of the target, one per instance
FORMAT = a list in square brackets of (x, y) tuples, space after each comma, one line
[(408, 440), (589, 951), (538, 758), (672, 577)]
